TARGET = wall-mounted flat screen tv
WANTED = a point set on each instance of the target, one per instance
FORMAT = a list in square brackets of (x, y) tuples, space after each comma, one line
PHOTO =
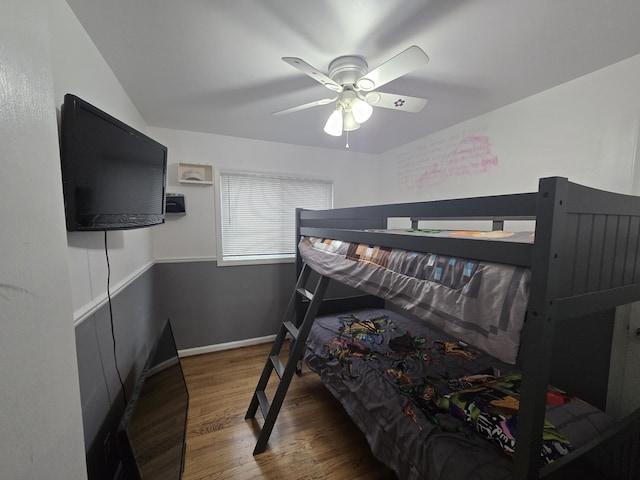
[(151, 434), (114, 177)]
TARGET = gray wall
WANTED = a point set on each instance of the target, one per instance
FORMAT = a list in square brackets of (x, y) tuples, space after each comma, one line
[(136, 323), (209, 305)]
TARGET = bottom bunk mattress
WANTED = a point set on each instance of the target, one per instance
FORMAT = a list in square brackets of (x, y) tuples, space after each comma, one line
[(430, 406)]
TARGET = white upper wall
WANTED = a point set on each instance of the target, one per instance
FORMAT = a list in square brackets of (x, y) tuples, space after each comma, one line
[(79, 68), (40, 410), (585, 130), (192, 236)]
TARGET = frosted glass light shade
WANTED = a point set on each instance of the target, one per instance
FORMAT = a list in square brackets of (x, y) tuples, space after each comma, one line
[(334, 124), (349, 122), (361, 110)]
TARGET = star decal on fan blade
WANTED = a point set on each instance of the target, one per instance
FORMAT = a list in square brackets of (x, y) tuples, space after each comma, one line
[(399, 102)]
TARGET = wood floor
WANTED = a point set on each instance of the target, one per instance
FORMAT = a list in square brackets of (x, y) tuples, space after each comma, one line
[(313, 437)]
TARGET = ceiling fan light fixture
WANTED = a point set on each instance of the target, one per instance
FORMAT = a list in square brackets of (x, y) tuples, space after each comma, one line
[(350, 78), (334, 123), (349, 122), (361, 110)]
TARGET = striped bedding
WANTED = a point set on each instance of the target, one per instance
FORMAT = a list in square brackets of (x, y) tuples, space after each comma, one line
[(481, 303)]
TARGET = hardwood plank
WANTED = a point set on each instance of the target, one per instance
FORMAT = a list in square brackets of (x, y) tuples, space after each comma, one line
[(313, 436)]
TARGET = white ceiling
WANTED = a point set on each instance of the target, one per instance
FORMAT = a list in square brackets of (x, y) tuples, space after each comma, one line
[(215, 65)]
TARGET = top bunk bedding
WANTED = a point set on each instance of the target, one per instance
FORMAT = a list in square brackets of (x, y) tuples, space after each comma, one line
[(481, 303), (493, 235)]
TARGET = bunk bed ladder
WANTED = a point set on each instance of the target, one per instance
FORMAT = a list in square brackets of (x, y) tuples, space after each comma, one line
[(285, 373)]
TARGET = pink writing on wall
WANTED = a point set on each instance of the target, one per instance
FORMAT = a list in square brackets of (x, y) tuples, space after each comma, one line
[(459, 156)]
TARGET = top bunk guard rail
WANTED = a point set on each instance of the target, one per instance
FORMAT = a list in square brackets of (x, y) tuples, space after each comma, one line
[(520, 206), (585, 259), (496, 223), (351, 224)]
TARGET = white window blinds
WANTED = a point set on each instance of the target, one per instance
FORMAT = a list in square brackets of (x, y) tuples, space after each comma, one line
[(258, 213)]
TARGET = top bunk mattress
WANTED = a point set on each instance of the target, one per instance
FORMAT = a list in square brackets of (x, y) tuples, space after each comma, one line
[(480, 303), (495, 235)]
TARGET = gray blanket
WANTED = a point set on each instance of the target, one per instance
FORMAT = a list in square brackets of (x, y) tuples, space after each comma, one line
[(391, 374)]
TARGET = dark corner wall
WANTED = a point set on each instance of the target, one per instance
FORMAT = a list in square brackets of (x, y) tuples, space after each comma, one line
[(207, 305)]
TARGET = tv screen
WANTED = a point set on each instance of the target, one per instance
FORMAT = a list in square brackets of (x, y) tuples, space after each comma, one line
[(151, 434), (113, 176)]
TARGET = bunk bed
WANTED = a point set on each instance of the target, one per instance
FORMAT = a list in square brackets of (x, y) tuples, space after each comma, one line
[(584, 261), (556, 315)]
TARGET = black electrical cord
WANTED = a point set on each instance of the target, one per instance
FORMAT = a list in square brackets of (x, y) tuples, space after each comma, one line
[(113, 335)]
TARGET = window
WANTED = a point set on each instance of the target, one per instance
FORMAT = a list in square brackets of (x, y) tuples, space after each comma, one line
[(257, 214)]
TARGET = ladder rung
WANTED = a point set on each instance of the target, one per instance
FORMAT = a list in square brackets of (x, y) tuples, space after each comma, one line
[(264, 403), (277, 365), (292, 329), (305, 293)]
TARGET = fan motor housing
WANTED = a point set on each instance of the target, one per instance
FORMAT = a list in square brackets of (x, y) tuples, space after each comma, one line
[(348, 69)]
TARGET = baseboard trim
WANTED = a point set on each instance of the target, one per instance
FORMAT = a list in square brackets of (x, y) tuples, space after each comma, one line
[(186, 259), (187, 352)]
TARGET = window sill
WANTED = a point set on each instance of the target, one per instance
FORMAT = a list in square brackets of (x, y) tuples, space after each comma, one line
[(231, 261)]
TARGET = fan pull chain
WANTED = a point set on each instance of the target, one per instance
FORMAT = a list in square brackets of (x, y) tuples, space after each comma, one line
[(347, 145)]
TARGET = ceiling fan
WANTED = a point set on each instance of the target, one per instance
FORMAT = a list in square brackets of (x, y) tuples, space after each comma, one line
[(354, 86)]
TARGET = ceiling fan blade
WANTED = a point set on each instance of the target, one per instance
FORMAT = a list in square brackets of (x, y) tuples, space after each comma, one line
[(324, 101), (396, 102), (314, 73), (403, 63)]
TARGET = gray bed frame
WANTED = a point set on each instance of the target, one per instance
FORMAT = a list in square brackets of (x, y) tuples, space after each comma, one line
[(585, 262)]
